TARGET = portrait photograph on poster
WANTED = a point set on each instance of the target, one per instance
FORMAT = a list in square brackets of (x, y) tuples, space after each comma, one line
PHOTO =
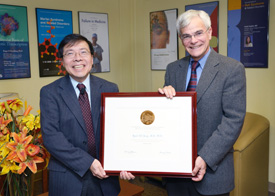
[(212, 9), (247, 38), (14, 42), (52, 27), (163, 38), (94, 26)]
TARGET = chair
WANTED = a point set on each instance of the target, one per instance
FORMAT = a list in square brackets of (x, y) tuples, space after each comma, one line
[(251, 155), (39, 180)]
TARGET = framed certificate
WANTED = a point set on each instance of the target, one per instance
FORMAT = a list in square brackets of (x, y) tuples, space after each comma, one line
[(148, 134)]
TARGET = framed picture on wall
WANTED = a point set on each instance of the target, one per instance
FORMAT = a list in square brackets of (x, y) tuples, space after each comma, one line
[(248, 32), (163, 38), (52, 27), (14, 42), (212, 9), (94, 26)]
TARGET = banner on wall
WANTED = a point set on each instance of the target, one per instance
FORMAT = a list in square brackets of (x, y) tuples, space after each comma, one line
[(248, 32), (212, 9), (52, 27), (14, 43)]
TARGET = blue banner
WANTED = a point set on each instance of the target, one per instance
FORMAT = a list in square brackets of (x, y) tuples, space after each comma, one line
[(14, 43), (248, 32), (52, 27)]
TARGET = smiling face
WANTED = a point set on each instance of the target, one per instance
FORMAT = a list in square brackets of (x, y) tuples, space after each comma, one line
[(78, 66), (197, 47)]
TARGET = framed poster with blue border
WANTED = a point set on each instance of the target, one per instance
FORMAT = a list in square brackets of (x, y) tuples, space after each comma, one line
[(52, 27), (247, 34), (212, 9), (14, 42)]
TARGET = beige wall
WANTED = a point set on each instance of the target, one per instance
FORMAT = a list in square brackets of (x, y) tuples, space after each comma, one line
[(130, 52), (119, 37)]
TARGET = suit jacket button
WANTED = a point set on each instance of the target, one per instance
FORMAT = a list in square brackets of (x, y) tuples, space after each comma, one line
[(84, 142)]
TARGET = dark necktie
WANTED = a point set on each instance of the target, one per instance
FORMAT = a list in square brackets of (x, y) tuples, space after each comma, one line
[(193, 80), (87, 116)]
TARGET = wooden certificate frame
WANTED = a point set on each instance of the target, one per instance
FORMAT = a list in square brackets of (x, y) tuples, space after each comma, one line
[(144, 133)]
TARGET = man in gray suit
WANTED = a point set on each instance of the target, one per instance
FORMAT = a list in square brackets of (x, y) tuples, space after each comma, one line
[(220, 84), (73, 170)]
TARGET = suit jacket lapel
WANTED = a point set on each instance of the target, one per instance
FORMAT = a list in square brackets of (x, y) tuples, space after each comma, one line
[(182, 71), (95, 101), (69, 96), (208, 74)]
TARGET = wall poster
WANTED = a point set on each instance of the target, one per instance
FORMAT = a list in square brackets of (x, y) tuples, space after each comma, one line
[(248, 32), (14, 42), (52, 27), (94, 26), (212, 9), (163, 37)]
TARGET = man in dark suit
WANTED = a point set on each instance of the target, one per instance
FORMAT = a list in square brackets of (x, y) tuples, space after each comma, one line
[(221, 106), (73, 170)]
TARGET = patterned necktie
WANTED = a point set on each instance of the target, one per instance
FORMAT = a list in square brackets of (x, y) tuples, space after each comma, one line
[(193, 80), (87, 116)]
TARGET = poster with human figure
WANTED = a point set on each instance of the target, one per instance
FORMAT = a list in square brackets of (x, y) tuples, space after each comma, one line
[(94, 26), (163, 38), (248, 32)]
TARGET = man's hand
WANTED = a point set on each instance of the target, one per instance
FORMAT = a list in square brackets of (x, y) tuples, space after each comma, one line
[(169, 91), (98, 170), (199, 170), (124, 175)]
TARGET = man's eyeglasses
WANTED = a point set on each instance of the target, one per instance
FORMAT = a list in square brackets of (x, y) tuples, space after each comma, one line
[(188, 37), (71, 54)]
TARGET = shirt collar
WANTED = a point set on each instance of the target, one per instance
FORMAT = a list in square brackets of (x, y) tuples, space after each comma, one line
[(202, 61), (86, 82)]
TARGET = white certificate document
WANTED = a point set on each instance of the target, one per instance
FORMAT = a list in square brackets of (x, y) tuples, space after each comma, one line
[(150, 135)]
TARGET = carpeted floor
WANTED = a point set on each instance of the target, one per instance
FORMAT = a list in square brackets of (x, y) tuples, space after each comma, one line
[(151, 186)]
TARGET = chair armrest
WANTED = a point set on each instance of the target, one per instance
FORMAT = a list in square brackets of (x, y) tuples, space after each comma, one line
[(254, 126)]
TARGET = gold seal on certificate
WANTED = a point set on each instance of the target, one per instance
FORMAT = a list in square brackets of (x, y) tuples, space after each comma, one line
[(147, 117)]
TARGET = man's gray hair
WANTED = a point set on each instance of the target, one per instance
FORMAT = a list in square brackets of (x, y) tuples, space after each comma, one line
[(185, 19)]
